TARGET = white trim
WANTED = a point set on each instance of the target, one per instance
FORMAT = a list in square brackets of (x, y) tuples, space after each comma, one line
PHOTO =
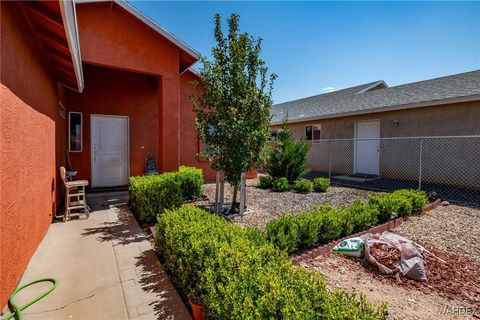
[(81, 131), (385, 109), (91, 144), (69, 16), (376, 84), (152, 24)]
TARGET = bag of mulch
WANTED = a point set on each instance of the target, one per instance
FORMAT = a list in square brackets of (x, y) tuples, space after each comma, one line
[(392, 253), (352, 247)]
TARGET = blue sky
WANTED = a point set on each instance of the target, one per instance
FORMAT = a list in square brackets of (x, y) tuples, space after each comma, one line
[(316, 45)]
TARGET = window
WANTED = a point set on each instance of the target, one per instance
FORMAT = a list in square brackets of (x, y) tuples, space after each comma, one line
[(203, 146), (312, 132), (273, 135), (75, 131)]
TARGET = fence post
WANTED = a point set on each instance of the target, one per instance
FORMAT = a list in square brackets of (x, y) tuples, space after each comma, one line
[(329, 159), (243, 193), (217, 191), (420, 165), (222, 190)]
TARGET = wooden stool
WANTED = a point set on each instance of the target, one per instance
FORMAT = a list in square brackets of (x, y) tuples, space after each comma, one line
[(75, 196)]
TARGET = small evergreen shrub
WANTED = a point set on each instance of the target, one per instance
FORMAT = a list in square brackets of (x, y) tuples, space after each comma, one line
[(280, 185), (418, 199), (283, 233), (322, 224), (303, 186), (265, 182), (152, 195), (237, 274), (385, 205), (363, 215), (191, 181), (331, 226), (398, 203), (321, 184), (288, 157), (308, 226)]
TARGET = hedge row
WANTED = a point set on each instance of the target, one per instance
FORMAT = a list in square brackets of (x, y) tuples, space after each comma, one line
[(153, 194), (323, 224), (237, 274), (301, 185)]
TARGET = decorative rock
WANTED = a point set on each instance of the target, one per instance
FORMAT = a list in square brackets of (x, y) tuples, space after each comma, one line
[(445, 203)]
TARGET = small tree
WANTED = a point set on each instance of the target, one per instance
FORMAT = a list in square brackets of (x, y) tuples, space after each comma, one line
[(233, 102)]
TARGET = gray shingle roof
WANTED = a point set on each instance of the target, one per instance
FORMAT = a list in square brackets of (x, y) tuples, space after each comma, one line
[(350, 101)]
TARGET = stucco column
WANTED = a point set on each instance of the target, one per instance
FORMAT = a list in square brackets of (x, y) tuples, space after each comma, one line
[(169, 142)]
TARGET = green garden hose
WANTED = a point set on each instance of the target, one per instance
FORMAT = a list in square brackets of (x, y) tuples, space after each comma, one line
[(17, 310)]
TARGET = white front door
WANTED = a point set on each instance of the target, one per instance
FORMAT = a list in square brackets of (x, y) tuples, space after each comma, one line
[(109, 149), (367, 147)]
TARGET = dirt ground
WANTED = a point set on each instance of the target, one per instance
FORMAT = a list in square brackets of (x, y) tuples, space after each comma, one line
[(448, 228), (403, 303)]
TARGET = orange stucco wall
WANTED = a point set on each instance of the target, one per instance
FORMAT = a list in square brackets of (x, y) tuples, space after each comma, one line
[(190, 144), (114, 92), (30, 154), (106, 40)]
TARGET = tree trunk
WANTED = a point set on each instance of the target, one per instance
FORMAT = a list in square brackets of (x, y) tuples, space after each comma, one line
[(234, 197)]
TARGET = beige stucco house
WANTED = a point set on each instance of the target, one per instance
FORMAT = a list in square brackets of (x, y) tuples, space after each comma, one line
[(386, 129)]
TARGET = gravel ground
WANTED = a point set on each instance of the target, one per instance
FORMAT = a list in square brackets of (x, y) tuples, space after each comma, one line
[(403, 303), (450, 228), (265, 205)]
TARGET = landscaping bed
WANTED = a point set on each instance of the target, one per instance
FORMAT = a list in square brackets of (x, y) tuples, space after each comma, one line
[(450, 228), (404, 303), (450, 233), (264, 205)]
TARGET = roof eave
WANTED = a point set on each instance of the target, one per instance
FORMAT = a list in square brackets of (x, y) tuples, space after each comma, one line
[(69, 16), (385, 109)]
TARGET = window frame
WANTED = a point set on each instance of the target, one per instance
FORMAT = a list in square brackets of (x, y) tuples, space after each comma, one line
[(81, 131), (313, 130)]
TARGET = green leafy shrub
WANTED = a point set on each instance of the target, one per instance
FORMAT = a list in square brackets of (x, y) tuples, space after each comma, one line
[(191, 181), (320, 225), (283, 233), (331, 227), (321, 184), (237, 275), (363, 215), (265, 182), (398, 203), (308, 226), (303, 186), (385, 205), (280, 185), (152, 195), (288, 157), (417, 198)]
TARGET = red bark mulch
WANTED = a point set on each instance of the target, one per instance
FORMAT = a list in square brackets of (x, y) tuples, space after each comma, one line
[(448, 274)]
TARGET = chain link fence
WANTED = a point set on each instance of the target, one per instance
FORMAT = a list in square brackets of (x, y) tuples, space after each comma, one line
[(449, 166)]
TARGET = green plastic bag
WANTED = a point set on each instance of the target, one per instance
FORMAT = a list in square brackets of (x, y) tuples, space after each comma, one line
[(352, 247)]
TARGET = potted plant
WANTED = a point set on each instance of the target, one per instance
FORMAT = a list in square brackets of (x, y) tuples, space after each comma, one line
[(198, 310)]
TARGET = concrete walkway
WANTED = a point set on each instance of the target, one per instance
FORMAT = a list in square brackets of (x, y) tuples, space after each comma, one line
[(105, 268)]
